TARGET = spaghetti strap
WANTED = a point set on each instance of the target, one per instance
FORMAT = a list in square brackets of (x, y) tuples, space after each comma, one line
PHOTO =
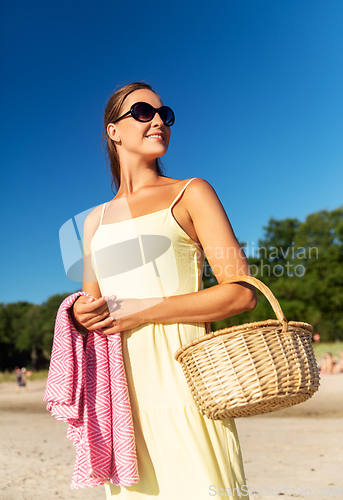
[(180, 193), (102, 213)]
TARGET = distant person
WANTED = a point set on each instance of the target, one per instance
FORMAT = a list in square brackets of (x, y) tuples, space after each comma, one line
[(328, 364), (20, 376), (339, 366), (17, 373), (23, 378)]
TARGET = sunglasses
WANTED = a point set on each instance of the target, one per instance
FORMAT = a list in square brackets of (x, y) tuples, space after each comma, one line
[(144, 112)]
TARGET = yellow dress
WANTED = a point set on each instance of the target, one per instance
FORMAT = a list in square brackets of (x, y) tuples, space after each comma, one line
[(181, 454)]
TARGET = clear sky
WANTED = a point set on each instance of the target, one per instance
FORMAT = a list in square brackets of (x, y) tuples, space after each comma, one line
[(256, 86)]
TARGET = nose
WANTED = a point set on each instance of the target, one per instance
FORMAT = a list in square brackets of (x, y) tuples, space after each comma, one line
[(157, 121)]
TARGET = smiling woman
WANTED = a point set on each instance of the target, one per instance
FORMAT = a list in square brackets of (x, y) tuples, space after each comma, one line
[(143, 264), (113, 108)]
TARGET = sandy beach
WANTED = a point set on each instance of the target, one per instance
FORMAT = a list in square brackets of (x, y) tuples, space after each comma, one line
[(296, 452)]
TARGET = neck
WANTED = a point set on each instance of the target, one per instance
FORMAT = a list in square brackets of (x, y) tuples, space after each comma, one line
[(135, 174)]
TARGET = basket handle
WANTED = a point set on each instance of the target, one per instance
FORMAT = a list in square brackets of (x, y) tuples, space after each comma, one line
[(267, 293)]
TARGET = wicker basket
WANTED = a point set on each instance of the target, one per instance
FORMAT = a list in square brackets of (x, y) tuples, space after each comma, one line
[(252, 368)]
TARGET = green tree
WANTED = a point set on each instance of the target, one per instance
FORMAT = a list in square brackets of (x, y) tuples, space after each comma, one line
[(320, 251), (12, 325), (302, 263), (48, 316), (26, 332)]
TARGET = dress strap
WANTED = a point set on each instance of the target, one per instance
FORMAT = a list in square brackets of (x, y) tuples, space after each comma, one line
[(180, 193), (102, 213)]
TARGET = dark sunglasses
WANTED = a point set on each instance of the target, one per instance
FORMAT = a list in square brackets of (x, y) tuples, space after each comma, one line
[(144, 112)]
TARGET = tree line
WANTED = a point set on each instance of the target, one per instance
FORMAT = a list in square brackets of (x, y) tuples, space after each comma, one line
[(301, 262), (26, 333)]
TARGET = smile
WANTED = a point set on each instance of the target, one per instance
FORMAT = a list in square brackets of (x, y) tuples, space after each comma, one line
[(156, 136)]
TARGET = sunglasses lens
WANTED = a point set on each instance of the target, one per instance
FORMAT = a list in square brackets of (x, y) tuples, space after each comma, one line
[(167, 115), (144, 112)]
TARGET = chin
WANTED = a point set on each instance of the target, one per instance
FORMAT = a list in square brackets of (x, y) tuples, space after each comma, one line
[(158, 152)]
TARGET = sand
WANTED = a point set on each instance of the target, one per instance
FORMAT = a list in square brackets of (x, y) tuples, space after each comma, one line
[(294, 452)]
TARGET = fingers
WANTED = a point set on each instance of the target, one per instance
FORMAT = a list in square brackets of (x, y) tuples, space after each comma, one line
[(98, 306), (111, 329), (99, 322), (94, 313), (93, 304), (103, 325), (112, 305)]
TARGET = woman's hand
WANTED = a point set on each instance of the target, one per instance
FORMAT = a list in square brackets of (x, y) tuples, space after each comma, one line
[(127, 313), (89, 313)]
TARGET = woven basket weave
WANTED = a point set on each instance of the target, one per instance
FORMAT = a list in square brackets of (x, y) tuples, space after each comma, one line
[(252, 368)]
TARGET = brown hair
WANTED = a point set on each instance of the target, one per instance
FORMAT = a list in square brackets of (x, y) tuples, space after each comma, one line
[(112, 111)]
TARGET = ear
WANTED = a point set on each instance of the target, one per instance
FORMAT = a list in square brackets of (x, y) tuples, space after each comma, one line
[(112, 132)]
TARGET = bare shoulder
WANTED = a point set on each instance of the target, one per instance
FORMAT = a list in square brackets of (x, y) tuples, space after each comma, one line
[(200, 186), (92, 221), (95, 214), (200, 194)]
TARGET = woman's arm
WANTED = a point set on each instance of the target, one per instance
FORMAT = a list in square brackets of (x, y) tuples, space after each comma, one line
[(226, 259), (90, 313), (213, 304)]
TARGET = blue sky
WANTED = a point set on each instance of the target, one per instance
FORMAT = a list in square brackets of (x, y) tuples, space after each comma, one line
[(256, 87)]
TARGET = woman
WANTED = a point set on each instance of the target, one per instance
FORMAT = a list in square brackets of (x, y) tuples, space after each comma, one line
[(147, 247)]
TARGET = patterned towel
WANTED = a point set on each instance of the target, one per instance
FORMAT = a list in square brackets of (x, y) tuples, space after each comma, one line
[(87, 388)]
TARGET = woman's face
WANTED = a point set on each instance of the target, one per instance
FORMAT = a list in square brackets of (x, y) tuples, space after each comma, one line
[(145, 139)]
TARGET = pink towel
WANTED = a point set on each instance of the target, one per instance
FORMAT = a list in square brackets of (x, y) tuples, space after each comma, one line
[(87, 388)]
